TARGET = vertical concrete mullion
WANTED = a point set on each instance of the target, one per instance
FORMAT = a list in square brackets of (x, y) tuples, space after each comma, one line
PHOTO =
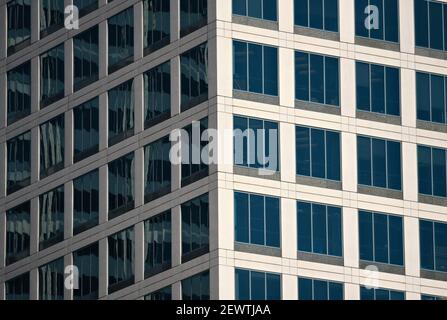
[(103, 43), (409, 170), (68, 261), (103, 194), (34, 284), (138, 30), (35, 21), (34, 224), (176, 234), (175, 83), (285, 16), (286, 151), (139, 177), (101, 3), (3, 31), (68, 67), (68, 210), (35, 154), (3, 100), (289, 287), (349, 163), (175, 19), (2, 291), (223, 11), (407, 26), (103, 121), (288, 228), (3, 170), (286, 75), (139, 252), (103, 268), (347, 88), (68, 137), (347, 21), (177, 291), (35, 83), (139, 103), (2, 239), (408, 97), (411, 243), (351, 238)]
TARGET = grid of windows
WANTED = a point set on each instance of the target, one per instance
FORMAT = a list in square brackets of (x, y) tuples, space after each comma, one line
[(266, 9), (320, 14), (255, 285), (314, 289), (19, 92)]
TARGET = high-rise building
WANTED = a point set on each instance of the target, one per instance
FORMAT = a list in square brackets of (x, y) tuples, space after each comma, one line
[(340, 193)]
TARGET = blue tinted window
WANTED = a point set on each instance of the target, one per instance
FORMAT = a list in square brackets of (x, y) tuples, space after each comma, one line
[(52, 75), (319, 228), (313, 289), (430, 297), (318, 14), (51, 280), (378, 88), (432, 173), (421, 22), (433, 245), (380, 294), (317, 153), (255, 68), (260, 9), (431, 97), (254, 285), (430, 22), (388, 24), (51, 16), (257, 219), (316, 78), (379, 163)]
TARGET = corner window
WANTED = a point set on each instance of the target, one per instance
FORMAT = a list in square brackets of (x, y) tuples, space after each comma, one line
[(18, 162), (121, 259), (317, 14), (18, 233), (86, 202), (51, 227), (19, 92), (52, 148), (121, 40), (255, 285)]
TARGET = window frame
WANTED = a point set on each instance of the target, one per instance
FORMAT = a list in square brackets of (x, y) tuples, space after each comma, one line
[(323, 17)]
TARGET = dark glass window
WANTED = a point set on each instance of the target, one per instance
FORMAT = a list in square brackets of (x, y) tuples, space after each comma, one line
[(51, 227), (193, 166), (157, 169), (195, 227), (51, 280), (121, 188), (86, 129), (317, 14), (432, 171), (157, 244), (266, 10), (17, 288), (17, 233), (257, 219), (430, 24), (86, 58), (318, 153), (431, 100), (121, 259), (19, 24), (194, 76), (378, 88), (51, 16), (317, 78), (156, 24), (256, 143), (157, 95), (52, 146), (19, 92), (430, 297), (196, 287), (18, 162), (121, 112), (85, 6), (86, 201), (379, 163), (381, 238), (52, 73), (387, 19), (380, 294), (255, 285), (121, 41), (315, 289), (319, 229), (162, 294), (255, 68), (193, 15), (433, 245), (87, 262)]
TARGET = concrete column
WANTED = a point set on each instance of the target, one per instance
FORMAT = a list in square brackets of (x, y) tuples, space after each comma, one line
[(289, 287), (409, 171), (224, 51), (351, 238), (176, 234), (103, 121), (35, 21), (406, 26), (411, 243), (286, 77), (213, 63), (2, 239), (68, 210), (3, 169), (352, 291), (2, 291), (3, 31), (220, 233), (68, 66), (69, 138), (176, 175), (103, 268), (103, 43), (175, 83), (222, 10), (288, 228), (285, 15), (177, 291), (34, 225), (408, 97), (3, 100), (34, 284), (102, 3), (139, 177), (175, 20), (287, 150), (35, 154), (139, 252), (104, 194), (68, 261), (35, 82), (347, 21), (349, 163), (138, 30), (138, 84), (222, 283), (348, 101)]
